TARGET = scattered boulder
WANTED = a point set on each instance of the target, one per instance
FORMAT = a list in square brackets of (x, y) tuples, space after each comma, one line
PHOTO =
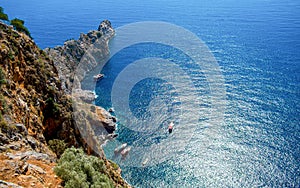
[(36, 169), (3, 148), (15, 146), (32, 142), (32, 155), (21, 129), (3, 139), (8, 184)]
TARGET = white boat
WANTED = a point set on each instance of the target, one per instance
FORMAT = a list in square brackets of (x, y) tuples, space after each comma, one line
[(120, 148), (170, 127), (125, 151), (145, 162), (98, 77)]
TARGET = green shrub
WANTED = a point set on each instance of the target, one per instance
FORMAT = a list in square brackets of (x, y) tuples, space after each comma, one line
[(52, 108), (11, 55), (19, 26), (57, 146), (5, 127), (3, 124), (77, 169), (2, 77), (3, 16), (3, 104)]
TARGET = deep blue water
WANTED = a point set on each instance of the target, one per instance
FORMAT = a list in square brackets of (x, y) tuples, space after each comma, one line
[(257, 45)]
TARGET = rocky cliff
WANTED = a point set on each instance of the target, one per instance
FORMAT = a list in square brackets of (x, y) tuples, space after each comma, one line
[(36, 107), (74, 60), (69, 57)]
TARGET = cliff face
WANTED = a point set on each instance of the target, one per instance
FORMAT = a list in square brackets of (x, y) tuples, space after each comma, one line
[(30, 88), (71, 69), (35, 107)]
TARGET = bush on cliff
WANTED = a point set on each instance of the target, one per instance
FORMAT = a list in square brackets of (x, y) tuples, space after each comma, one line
[(3, 16), (2, 77), (17, 23), (19, 26), (77, 169), (57, 146)]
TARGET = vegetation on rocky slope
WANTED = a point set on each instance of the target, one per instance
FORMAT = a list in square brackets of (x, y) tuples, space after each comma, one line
[(3, 16), (30, 90), (80, 170), (35, 114), (19, 26), (28, 80), (16, 23)]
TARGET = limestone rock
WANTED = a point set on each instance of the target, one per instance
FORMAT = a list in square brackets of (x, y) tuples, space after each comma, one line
[(108, 121), (30, 155), (84, 95), (35, 168), (21, 128), (105, 27), (5, 184), (3, 139), (68, 57)]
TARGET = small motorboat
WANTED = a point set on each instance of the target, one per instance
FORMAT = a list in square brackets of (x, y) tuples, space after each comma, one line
[(170, 127), (125, 151), (98, 77), (120, 148), (145, 162)]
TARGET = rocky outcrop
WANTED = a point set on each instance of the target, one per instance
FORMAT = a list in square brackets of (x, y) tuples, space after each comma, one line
[(68, 57), (74, 60)]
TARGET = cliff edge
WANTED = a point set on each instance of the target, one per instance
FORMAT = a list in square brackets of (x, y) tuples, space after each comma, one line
[(36, 107)]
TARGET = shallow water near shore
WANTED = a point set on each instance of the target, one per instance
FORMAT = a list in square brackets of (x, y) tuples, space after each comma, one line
[(257, 46)]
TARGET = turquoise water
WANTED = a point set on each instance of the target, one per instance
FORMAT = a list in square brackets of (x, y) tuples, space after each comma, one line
[(257, 46)]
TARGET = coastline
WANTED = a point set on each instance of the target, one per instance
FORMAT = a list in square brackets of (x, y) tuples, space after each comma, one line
[(37, 106), (84, 74)]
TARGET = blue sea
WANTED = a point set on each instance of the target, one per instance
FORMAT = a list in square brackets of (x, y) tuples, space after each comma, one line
[(256, 45)]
